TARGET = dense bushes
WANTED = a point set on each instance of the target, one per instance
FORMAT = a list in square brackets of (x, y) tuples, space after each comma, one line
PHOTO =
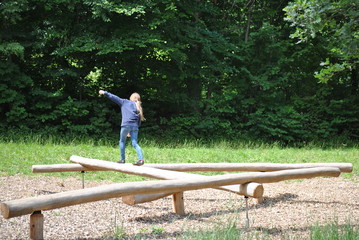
[(205, 70)]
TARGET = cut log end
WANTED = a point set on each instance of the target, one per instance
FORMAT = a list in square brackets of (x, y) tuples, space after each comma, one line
[(251, 189), (129, 200), (5, 212)]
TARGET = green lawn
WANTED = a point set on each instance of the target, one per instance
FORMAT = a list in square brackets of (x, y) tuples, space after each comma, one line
[(18, 157)]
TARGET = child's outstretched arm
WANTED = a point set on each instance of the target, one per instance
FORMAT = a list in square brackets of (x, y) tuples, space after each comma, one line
[(112, 97)]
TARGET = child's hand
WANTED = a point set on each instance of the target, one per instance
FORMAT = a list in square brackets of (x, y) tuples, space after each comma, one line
[(101, 92), (128, 135)]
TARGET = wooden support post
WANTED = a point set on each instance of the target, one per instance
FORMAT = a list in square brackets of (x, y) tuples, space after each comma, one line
[(246, 221), (178, 203), (83, 179), (37, 225)]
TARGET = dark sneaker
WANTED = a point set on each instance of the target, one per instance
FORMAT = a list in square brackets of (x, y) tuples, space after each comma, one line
[(121, 161), (139, 163)]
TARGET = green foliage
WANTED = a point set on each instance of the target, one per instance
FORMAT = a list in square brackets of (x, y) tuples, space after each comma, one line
[(328, 118), (13, 86), (278, 124), (337, 21), (13, 48), (205, 69)]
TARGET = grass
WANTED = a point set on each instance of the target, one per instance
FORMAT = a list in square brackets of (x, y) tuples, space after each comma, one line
[(330, 231), (334, 231), (227, 232), (17, 157)]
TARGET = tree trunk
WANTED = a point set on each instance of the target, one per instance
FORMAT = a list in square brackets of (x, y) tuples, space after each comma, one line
[(249, 19), (355, 81)]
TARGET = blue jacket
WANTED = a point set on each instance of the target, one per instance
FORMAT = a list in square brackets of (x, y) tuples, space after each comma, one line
[(130, 114)]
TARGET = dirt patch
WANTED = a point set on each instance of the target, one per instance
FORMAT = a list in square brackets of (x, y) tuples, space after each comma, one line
[(289, 208)]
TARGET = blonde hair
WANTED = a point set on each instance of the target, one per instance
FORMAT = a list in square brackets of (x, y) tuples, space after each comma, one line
[(137, 99)]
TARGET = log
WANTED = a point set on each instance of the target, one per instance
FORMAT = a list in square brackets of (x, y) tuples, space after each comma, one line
[(255, 190), (14, 208), (246, 167), (192, 167), (251, 189), (70, 167), (136, 199)]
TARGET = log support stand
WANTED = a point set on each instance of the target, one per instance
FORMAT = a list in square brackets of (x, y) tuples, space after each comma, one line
[(83, 179), (178, 203), (37, 226), (246, 221)]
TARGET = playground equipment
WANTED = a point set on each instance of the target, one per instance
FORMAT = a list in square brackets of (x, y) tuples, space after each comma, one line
[(250, 184), (253, 190), (250, 189), (25, 206)]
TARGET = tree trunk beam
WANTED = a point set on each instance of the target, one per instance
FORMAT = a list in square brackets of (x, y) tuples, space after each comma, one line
[(247, 167), (14, 208), (136, 199), (254, 190), (192, 167), (69, 167)]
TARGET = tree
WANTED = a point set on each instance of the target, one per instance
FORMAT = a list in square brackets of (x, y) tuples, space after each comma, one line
[(338, 22), (203, 68)]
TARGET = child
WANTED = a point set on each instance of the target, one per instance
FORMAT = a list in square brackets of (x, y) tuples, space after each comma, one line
[(132, 115)]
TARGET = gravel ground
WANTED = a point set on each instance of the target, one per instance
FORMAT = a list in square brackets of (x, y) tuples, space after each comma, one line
[(289, 209)]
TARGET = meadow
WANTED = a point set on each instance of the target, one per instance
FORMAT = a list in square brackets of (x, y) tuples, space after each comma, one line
[(18, 156)]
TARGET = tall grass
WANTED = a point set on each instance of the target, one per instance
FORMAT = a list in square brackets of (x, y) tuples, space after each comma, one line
[(69, 138), (230, 231), (334, 231), (226, 232)]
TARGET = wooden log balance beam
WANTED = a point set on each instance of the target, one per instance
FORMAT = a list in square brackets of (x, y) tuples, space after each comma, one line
[(247, 190), (254, 190), (251, 189), (193, 167), (19, 207)]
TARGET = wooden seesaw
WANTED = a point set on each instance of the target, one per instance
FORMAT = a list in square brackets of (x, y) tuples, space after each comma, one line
[(34, 205), (252, 189)]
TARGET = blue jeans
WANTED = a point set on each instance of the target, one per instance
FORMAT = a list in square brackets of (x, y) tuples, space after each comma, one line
[(133, 131)]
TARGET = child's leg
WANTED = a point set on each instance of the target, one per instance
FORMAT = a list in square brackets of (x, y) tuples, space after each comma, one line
[(123, 135), (134, 137)]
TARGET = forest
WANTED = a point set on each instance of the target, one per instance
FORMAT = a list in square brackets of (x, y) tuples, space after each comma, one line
[(271, 70)]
